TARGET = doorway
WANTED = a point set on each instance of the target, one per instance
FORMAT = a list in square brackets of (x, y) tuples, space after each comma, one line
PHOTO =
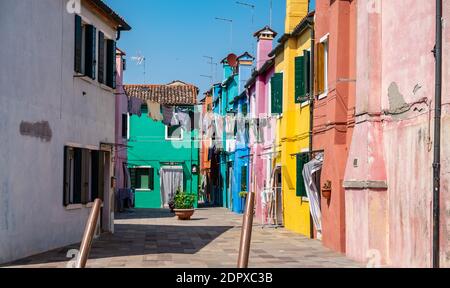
[(172, 179), (278, 195)]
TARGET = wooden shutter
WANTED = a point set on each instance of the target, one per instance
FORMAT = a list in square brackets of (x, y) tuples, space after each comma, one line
[(90, 51), (85, 176), (244, 178), (101, 57), (300, 83), (67, 173), (101, 174), (124, 125), (307, 56), (95, 169), (277, 93), (77, 179), (302, 160), (78, 43), (320, 69), (111, 64), (151, 180)]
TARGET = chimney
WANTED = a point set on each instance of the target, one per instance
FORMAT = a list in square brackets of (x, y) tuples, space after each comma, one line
[(265, 38), (296, 10)]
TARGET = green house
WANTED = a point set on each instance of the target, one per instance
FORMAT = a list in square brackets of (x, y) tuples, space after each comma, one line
[(163, 159)]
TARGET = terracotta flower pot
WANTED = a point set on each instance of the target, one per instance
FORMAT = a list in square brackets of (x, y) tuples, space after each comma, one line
[(326, 194), (184, 214)]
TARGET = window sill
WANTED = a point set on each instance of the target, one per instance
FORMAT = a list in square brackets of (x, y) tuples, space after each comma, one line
[(93, 82), (305, 199), (304, 104), (74, 207), (323, 95)]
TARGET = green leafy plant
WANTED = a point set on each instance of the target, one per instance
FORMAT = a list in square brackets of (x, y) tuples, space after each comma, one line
[(243, 194), (183, 200)]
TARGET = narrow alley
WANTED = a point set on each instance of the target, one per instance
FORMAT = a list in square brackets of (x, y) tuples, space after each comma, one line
[(155, 239)]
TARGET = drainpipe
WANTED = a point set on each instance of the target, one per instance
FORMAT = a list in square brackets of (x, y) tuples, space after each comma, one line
[(437, 137), (311, 105)]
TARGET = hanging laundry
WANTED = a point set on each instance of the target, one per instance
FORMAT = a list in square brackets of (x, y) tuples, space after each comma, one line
[(154, 111), (185, 120), (230, 124), (169, 118), (134, 106)]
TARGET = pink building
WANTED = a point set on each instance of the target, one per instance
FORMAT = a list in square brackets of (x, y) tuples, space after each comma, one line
[(121, 133), (389, 175), (262, 147)]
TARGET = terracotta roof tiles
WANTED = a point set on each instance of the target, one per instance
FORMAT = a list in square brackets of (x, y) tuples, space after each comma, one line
[(165, 94)]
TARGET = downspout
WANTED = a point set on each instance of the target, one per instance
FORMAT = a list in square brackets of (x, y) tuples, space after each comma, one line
[(311, 105), (437, 137)]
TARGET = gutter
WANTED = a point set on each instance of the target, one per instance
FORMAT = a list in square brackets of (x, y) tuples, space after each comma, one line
[(437, 137), (311, 104)]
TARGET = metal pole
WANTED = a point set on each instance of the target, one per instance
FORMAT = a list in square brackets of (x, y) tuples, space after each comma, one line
[(246, 234), (88, 236), (437, 138), (311, 108)]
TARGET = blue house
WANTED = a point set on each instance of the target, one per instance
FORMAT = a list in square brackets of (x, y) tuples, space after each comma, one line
[(232, 161)]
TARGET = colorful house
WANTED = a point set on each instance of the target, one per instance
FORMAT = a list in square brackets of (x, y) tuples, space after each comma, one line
[(58, 123), (205, 151), (335, 76), (262, 139), (389, 175), (290, 99), (163, 157)]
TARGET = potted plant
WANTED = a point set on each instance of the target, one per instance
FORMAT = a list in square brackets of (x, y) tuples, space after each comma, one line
[(243, 195), (326, 190), (184, 205)]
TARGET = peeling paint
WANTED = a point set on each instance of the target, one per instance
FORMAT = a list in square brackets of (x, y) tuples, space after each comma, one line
[(39, 130)]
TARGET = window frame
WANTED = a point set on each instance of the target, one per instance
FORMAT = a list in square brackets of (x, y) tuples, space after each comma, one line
[(167, 138), (325, 42), (151, 184)]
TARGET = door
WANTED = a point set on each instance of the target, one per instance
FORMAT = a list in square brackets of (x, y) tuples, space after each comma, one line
[(278, 196), (172, 179), (230, 186)]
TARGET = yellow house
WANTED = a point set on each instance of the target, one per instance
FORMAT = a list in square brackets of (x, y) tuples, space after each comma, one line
[(290, 100)]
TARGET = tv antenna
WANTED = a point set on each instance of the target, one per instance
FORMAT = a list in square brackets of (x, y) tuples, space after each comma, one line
[(231, 29), (252, 7), (140, 60)]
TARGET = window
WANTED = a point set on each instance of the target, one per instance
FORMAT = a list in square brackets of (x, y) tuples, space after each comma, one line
[(174, 133), (85, 48), (124, 126), (83, 175), (143, 178), (277, 93), (302, 77), (322, 67), (88, 59), (302, 160)]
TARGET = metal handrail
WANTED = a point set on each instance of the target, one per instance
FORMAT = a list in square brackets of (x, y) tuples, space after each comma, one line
[(88, 236)]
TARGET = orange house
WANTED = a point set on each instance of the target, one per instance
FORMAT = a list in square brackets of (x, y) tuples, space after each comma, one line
[(205, 161), (335, 77)]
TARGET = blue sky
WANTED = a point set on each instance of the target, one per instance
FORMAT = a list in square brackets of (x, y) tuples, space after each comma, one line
[(174, 35)]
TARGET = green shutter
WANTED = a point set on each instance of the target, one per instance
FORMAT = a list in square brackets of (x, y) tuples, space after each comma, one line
[(101, 57), (151, 182), (277, 93), (111, 64), (300, 81), (90, 51), (307, 55), (244, 178), (78, 43), (302, 160)]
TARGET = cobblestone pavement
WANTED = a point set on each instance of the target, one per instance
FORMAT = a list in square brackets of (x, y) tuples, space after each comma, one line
[(156, 239)]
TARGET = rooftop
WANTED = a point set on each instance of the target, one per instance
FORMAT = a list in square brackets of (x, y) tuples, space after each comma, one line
[(175, 93)]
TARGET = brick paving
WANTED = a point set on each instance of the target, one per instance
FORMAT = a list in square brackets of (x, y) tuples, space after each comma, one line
[(156, 239)]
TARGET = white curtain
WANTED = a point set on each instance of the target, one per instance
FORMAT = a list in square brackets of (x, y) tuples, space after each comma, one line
[(310, 174), (171, 181)]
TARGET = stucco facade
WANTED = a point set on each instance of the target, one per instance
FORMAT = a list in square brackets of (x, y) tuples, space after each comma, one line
[(389, 185), (39, 89), (293, 125)]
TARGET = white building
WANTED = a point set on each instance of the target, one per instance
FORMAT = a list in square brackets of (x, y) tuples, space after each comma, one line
[(57, 115)]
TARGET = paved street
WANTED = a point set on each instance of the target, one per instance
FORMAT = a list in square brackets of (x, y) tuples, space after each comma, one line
[(154, 238)]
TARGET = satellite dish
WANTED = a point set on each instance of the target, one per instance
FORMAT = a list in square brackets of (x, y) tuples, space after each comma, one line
[(232, 60)]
